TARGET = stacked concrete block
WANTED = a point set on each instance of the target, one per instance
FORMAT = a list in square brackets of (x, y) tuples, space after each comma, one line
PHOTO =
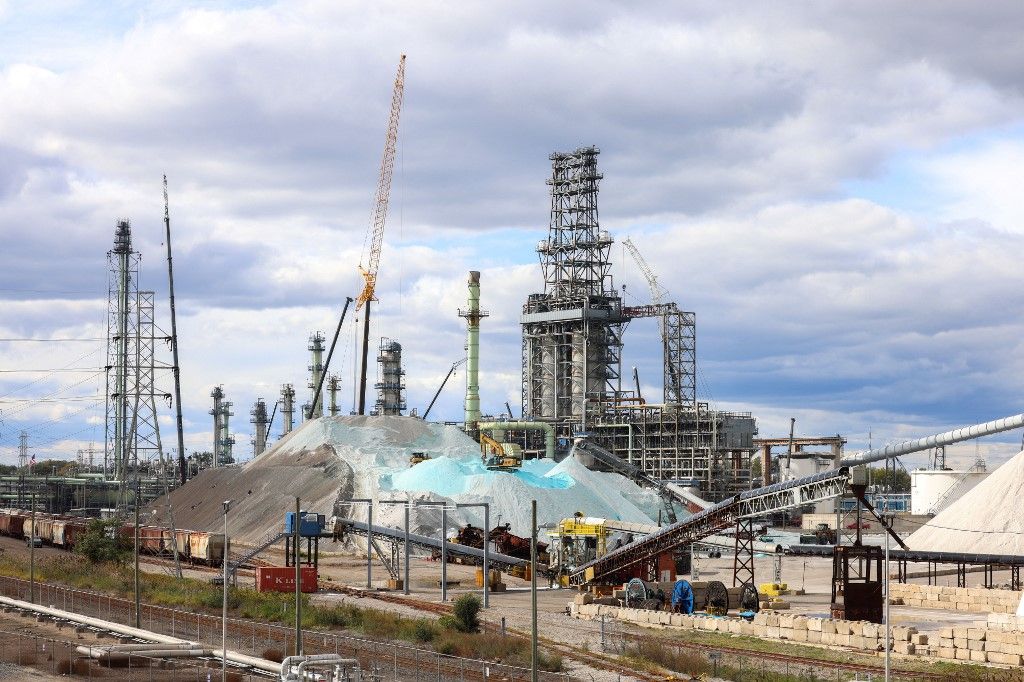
[(972, 599)]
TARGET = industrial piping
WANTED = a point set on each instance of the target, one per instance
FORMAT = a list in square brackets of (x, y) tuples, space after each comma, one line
[(954, 436), (549, 432), (233, 656)]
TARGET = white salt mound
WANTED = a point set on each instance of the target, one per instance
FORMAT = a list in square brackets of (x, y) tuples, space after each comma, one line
[(986, 520), (330, 460)]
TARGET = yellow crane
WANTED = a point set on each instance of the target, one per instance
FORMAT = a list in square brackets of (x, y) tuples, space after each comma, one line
[(380, 213)]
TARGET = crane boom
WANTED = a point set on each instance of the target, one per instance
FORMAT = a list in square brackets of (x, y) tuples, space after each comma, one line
[(380, 211), (380, 214), (658, 293)]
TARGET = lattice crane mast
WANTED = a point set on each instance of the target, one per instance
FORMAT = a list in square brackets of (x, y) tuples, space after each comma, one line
[(658, 294), (380, 213)]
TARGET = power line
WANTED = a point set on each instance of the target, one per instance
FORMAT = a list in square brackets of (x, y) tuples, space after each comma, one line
[(13, 339), (51, 371)]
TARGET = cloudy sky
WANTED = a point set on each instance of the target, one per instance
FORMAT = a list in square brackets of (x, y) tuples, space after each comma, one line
[(833, 187)]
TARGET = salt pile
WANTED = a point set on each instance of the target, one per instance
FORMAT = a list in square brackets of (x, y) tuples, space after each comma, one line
[(986, 520), (329, 461)]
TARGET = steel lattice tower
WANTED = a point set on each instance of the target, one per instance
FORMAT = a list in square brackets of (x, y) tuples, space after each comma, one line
[(572, 333), (122, 320), (147, 446)]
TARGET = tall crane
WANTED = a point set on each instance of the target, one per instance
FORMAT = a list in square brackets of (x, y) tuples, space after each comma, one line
[(658, 294), (380, 213)]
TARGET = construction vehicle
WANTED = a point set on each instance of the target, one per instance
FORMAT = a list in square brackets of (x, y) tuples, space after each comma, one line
[(500, 456), (418, 457), (581, 539), (822, 535), (376, 230)]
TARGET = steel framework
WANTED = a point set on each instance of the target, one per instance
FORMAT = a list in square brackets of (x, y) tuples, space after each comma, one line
[(390, 382), (122, 297)]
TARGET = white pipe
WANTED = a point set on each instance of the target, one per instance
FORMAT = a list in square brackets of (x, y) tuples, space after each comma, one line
[(549, 432), (954, 436), (241, 659), (316, 659)]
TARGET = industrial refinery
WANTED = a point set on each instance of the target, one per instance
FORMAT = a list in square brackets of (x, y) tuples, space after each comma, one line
[(486, 448)]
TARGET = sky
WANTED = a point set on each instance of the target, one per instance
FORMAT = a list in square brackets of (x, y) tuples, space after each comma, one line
[(833, 188)]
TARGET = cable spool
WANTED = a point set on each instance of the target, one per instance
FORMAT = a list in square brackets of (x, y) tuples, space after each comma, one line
[(750, 600), (717, 600), (636, 592)]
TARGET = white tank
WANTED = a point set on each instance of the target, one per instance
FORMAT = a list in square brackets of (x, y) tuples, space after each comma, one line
[(929, 488)]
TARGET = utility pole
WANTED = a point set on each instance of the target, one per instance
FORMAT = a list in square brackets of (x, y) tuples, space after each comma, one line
[(298, 578), (224, 606)]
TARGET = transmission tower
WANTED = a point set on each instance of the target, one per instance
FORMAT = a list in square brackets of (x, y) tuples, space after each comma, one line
[(23, 451)]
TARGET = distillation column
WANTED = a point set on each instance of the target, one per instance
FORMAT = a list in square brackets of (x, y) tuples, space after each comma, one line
[(218, 398), (391, 385), (259, 420), (316, 347), (333, 386), (287, 408)]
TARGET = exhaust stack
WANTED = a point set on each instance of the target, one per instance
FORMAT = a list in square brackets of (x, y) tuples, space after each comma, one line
[(473, 316)]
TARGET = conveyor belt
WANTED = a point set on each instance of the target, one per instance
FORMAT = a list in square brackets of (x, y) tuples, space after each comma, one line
[(758, 502), (495, 559)]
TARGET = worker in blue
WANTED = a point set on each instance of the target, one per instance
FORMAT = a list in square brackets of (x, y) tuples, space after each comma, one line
[(682, 597)]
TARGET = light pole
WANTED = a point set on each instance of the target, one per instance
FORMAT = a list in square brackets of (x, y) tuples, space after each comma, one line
[(224, 607), (405, 579), (296, 555), (32, 554), (444, 544), (888, 642), (487, 554), (138, 599), (533, 591), (369, 538)]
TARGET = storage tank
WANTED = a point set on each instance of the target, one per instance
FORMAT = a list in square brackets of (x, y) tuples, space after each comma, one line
[(932, 490)]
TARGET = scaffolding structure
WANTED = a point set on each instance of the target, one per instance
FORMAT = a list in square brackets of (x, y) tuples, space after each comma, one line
[(572, 355), (390, 382), (260, 423)]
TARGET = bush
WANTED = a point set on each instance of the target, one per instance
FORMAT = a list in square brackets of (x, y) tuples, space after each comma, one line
[(466, 612), (101, 543), (423, 631)]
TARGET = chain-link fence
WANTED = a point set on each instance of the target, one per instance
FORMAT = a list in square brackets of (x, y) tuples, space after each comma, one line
[(387, 660)]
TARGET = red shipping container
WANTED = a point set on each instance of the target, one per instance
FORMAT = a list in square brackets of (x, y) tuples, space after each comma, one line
[(282, 579)]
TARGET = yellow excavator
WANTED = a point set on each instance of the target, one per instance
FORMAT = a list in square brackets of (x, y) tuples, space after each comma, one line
[(418, 457), (500, 456)]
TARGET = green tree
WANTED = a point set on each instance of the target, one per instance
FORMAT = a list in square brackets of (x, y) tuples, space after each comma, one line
[(102, 543), (892, 480)]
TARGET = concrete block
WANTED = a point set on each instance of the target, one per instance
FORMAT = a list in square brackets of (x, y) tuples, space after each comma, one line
[(978, 656), (904, 648), (919, 639), (760, 630), (828, 638), (786, 633), (947, 652), (1005, 659), (976, 633), (799, 635), (842, 640), (746, 628), (962, 654), (814, 636), (664, 617), (975, 645), (773, 619), (828, 626), (960, 642), (870, 630), (774, 632), (814, 624), (786, 620)]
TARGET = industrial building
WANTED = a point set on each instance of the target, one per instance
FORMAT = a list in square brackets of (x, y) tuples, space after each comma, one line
[(572, 341)]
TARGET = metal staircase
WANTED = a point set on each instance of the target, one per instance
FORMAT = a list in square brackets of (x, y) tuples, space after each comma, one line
[(270, 539), (953, 493)]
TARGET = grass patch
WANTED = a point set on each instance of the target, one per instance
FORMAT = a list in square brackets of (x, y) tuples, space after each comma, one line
[(277, 607)]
